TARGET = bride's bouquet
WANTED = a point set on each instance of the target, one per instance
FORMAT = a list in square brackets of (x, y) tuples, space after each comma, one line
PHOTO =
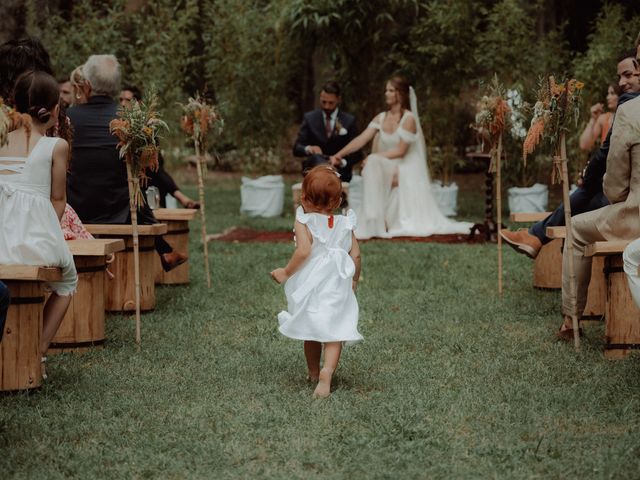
[(138, 129), (557, 104)]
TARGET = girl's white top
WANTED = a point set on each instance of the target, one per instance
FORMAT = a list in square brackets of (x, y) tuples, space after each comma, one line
[(321, 304), (30, 232)]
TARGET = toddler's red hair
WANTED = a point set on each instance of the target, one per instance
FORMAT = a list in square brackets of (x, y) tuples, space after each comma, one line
[(322, 188)]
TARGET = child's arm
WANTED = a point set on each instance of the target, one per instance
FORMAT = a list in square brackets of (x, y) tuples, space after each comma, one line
[(59, 177), (300, 255), (354, 253)]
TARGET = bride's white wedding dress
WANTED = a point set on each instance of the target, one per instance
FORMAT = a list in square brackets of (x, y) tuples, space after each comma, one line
[(408, 210)]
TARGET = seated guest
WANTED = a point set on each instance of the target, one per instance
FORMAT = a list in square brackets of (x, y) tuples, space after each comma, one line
[(79, 86), (32, 195), (18, 56), (589, 196), (97, 184), (5, 300), (600, 122), (618, 221), (325, 131), (160, 178), (66, 92)]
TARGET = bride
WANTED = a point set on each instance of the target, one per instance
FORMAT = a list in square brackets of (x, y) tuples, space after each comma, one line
[(397, 198)]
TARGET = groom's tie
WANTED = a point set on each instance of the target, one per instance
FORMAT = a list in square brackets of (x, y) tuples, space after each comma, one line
[(327, 125)]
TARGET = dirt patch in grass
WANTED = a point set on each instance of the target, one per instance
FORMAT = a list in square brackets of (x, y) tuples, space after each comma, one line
[(243, 235)]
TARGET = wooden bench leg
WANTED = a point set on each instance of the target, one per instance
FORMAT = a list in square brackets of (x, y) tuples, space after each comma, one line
[(83, 325), (597, 293), (120, 292), (547, 267), (622, 317), (20, 367)]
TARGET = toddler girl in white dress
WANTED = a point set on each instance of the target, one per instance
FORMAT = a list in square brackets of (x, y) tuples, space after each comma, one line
[(321, 277)]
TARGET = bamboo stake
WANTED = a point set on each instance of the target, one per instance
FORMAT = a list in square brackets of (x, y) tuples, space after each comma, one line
[(133, 183), (569, 239), (499, 207), (199, 161)]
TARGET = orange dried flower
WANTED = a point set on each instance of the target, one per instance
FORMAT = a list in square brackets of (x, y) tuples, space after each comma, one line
[(534, 135)]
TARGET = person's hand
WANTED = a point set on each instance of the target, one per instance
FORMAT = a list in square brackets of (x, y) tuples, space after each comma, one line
[(279, 275), (354, 285), (596, 110), (314, 150), (335, 161)]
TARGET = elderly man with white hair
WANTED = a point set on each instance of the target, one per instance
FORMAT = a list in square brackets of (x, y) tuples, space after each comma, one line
[(97, 180)]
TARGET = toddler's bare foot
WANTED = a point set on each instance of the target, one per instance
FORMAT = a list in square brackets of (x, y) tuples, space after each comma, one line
[(323, 390)]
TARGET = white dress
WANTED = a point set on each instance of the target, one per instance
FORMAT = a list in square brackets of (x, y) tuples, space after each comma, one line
[(321, 304), (30, 233), (408, 209)]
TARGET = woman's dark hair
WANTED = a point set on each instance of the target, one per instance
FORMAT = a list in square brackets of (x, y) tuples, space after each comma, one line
[(19, 56), (36, 93), (137, 94), (615, 87), (401, 85)]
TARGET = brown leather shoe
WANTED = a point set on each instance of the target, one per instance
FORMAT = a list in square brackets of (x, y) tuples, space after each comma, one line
[(172, 260), (522, 241)]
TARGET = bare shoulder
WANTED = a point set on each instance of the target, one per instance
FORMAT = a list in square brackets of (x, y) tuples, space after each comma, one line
[(61, 150), (62, 146)]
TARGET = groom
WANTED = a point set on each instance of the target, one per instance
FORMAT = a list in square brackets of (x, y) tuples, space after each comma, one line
[(325, 131)]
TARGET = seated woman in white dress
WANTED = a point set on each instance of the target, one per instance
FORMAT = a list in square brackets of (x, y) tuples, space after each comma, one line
[(33, 169), (397, 197)]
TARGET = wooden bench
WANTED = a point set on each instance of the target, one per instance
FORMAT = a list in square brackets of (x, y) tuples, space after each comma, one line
[(296, 190), (177, 220), (120, 292), (597, 294), (622, 316), (547, 267), (20, 367), (83, 324)]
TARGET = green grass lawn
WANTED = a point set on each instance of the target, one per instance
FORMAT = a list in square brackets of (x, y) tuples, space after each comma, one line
[(451, 381)]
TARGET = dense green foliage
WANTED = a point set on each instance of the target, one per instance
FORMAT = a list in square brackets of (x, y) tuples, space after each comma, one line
[(263, 61), (451, 381)]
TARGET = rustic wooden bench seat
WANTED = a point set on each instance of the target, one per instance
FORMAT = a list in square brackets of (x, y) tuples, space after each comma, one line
[(120, 292), (20, 367), (83, 324), (622, 316)]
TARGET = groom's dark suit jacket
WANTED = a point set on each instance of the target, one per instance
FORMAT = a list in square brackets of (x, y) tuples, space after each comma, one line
[(97, 186), (312, 132)]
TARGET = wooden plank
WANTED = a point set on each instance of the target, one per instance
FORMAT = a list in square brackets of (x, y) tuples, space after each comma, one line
[(96, 247), (125, 230), (557, 232), (30, 272), (174, 213), (528, 217), (606, 248)]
